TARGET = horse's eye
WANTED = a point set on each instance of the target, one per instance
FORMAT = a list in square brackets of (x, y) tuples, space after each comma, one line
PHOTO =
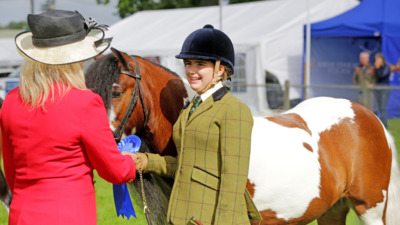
[(116, 94)]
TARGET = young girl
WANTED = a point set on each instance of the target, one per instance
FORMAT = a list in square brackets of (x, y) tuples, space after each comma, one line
[(212, 136)]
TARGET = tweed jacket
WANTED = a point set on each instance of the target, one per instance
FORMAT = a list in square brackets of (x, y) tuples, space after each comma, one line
[(212, 163)]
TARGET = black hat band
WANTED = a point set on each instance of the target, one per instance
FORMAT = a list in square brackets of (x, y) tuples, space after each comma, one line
[(58, 41)]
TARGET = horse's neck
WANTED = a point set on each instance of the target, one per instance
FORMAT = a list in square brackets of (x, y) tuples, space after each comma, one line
[(155, 74), (164, 97), (157, 79)]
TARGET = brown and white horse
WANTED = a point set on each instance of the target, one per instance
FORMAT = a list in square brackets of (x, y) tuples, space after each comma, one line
[(321, 158), (312, 162)]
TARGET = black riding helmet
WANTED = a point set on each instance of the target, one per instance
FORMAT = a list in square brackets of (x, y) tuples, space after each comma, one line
[(208, 44)]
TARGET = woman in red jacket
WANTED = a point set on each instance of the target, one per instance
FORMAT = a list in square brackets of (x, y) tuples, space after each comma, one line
[(55, 131)]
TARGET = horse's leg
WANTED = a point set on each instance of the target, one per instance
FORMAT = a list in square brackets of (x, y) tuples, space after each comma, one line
[(336, 215), (5, 193), (370, 168), (157, 192), (368, 192), (370, 211)]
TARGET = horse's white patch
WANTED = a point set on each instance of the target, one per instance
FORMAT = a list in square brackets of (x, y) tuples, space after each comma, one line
[(111, 117), (323, 112), (133, 131), (373, 216), (287, 175)]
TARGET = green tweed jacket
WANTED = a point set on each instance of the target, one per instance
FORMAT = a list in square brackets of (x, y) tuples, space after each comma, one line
[(212, 163)]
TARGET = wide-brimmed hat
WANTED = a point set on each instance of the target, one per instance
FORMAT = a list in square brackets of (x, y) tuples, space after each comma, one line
[(60, 37)]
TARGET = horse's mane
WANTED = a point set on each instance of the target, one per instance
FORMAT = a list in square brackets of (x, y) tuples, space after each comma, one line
[(101, 75), (158, 65)]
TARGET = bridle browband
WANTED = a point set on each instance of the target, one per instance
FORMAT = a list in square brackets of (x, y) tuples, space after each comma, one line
[(118, 132)]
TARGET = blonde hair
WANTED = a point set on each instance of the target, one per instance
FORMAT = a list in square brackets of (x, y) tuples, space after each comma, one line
[(217, 78), (37, 81)]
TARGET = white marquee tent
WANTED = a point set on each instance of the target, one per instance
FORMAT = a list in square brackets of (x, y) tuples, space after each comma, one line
[(268, 35), (9, 56)]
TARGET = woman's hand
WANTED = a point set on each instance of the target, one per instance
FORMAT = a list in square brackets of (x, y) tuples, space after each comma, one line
[(134, 156), (139, 158)]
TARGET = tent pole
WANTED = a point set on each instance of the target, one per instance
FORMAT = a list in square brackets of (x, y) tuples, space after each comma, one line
[(32, 6), (220, 14), (308, 54)]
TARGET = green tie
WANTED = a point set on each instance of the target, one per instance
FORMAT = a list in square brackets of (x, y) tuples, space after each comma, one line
[(196, 104)]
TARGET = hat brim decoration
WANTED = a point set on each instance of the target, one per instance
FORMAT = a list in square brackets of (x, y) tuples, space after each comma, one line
[(89, 47)]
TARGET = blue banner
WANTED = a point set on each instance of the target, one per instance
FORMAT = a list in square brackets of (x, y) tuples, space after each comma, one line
[(122, 199)]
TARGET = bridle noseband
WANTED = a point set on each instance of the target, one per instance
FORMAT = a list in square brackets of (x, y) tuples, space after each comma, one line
[(118, 132)]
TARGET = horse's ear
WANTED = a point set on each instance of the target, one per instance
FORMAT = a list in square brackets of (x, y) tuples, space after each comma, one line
[(120, 56)]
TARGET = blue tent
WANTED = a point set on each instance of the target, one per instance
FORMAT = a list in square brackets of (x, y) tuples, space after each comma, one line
[(374, 26)]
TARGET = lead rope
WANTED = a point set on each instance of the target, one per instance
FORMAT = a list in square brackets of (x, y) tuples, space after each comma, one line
[(146, 209)]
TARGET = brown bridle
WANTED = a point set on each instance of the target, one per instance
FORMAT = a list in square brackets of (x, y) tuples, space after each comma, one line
[(129, 110), (118, 132)]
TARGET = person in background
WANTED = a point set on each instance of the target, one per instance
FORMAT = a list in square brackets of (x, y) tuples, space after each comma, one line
[(382, 74), (212, 136), (55, 131), (364, 77)]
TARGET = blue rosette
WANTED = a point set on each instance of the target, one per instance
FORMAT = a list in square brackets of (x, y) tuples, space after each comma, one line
[(122, 199)]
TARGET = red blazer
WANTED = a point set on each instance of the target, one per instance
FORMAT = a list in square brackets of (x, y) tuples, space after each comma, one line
[(49, 156)]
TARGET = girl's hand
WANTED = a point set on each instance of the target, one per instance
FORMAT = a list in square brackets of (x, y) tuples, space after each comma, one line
[(142, 161)]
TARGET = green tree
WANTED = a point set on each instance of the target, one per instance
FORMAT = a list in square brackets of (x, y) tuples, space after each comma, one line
[(128, 7), (17, 25)]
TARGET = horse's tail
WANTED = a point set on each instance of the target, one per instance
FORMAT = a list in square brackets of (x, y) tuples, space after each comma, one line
[(393, 204)]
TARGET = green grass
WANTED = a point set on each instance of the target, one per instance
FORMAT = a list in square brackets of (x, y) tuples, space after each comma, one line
[(106, 213), (105, 203)]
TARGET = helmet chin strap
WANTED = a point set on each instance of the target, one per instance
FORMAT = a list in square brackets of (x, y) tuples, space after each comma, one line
[(216, 78)]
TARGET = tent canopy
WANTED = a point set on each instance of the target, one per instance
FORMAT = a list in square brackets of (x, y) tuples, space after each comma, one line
[(9, 56), (267, 34), (371, 18), (371, 26)]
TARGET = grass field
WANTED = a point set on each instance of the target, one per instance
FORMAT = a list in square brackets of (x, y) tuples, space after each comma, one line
[(106, 214), (9, 33)]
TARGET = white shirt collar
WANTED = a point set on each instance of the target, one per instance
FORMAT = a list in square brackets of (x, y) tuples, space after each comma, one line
[(211, 91)]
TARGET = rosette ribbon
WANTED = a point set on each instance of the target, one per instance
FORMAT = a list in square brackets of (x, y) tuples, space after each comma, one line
[(122, 199)]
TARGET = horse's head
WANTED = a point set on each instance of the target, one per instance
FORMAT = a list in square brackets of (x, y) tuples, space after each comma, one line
[(116, 78), (125, 83)]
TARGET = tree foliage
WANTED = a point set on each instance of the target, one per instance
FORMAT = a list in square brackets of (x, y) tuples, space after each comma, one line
[(128, 7), (16, 25)]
